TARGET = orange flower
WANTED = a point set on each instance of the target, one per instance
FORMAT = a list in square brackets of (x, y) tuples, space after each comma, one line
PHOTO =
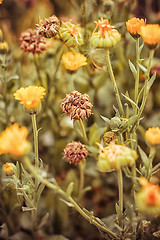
[(30, 97), (148, 198), (1, 1), (152, 136), (134, 25), (13, 141), (74, 61), (107, 36), (151, 35), (9, 169)]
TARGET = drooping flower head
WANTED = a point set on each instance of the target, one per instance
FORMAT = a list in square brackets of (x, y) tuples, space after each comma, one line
[(4, 48), (148, 198), (75, 152), (32, 42), (73, 61), (9, 169), (76, 105), (152, 136), (151, 35), (13, 141), (49, 27), (134, 26), (71, 34), (30, 97), (106, 37), (114, 156)]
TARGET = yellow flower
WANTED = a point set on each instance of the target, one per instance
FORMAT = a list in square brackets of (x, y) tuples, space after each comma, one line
[(30, 97), (148, 198), (152, 136), (151, 35), (9, 169), (114, 156), (13, 141), (74, 61), (106, 37), (134, 25)]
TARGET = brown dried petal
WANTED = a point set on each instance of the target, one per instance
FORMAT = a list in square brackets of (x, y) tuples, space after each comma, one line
[(76, 105)]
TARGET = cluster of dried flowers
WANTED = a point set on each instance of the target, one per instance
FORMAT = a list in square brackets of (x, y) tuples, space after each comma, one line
[(77, 106)]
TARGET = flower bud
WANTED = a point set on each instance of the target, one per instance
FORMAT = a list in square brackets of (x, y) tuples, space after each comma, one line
[(109, 137), (114, 156), (1, 35), (71, 34), (106, 37), (4, 48), (9, 169)]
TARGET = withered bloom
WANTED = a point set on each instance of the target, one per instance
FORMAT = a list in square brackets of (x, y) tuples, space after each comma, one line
[(75, 152), (76, 105), (32, 42), (49, 27)]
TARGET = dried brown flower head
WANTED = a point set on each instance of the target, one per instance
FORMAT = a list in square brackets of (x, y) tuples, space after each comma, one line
[(75, 152), (32, 42), (76, 105), (49, 27)]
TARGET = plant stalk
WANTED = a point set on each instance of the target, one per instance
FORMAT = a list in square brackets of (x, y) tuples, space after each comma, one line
[(109, 66)]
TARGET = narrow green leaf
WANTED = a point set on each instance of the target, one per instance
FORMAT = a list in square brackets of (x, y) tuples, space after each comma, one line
[(130, 100), (142, 68), (140, 48), (105, 119), (151, 81), (70, 189), (67, 203), (144, 157), (133, 69)]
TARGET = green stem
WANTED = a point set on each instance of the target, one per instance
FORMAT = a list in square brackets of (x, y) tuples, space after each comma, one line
[(109, 66), (36, 62), (137, 76), (145, 92), (35, 132), (81, 183), (83, 130), (57, 189), (151, 157), (120, 188)]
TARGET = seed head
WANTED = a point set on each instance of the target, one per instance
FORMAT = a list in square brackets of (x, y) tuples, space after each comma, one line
[(32, 42), (76, 105), (49, 27), (75, 152)]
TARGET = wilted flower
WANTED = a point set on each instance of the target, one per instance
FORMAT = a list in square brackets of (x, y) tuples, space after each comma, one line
[(76, 105), (4, 48), (148, 198), (71, 34), (152, 136), (75, 152), (114, 156), (32, 42), (13, 141), (134, 25), (106, 37), (74, 61), (9, 169), (49, 27), (30, 97), (151, 35)]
